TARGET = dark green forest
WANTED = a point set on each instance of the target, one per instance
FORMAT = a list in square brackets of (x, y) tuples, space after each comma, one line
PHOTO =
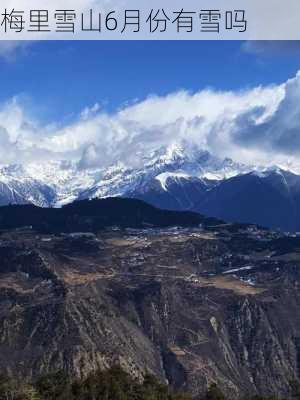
[(113, 384)]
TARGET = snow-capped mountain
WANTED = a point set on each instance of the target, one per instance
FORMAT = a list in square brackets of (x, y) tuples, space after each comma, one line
[(57, 183), (160, 168), (17, 186), (174, 177)]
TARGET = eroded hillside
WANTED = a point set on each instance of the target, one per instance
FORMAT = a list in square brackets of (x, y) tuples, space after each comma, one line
[(191, 306)]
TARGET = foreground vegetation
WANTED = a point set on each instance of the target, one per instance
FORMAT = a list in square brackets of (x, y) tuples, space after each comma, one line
[(114, 384)]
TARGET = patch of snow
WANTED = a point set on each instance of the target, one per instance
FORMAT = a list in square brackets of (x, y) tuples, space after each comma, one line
[(231, 271), (162, 178), (249, 281)]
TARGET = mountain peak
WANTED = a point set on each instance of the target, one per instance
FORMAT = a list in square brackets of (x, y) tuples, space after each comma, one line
[(175, 177)]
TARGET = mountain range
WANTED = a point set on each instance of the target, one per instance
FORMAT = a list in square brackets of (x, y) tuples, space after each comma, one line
[(175, 178)]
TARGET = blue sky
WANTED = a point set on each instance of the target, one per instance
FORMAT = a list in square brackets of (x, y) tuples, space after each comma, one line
[(234, 99), (58, 79)]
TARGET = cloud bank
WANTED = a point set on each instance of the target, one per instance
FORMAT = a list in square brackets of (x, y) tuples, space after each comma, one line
[(260, 125)]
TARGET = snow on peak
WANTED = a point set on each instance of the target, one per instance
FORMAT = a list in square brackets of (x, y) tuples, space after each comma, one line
[(162, 178), (59, 182), (264, 172)]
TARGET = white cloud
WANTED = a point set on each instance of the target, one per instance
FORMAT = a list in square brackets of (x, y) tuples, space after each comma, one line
[(10, 49), (280, 131), (258, 125)]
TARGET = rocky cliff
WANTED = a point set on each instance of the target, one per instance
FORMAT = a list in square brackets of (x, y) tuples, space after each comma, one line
[(191, 306)]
